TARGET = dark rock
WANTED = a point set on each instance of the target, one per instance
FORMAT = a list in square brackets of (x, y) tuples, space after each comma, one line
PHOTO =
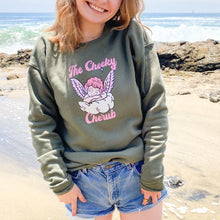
[(214, 97), (11, 77), (174, 182), (182, 42), (184, 93), (207, 72), (204, 96), (212, 41), (21, 58), (201, 56), (186, 56)]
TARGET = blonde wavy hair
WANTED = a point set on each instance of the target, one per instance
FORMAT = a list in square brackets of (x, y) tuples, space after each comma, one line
[(67, 27)]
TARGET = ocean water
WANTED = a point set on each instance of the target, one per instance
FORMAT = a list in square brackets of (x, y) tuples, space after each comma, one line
[(21, 30)]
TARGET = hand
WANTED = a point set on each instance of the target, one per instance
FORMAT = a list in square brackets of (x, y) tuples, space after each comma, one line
[(147, 194), (71, 197)]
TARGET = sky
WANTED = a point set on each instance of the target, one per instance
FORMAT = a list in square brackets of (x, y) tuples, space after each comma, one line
[(151, 5)]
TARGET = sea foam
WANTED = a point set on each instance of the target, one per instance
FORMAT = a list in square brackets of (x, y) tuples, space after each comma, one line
[(184, 33), (21, 30)]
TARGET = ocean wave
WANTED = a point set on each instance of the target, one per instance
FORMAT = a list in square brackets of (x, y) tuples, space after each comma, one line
[(24, 36), (184, 19), (19, 37), (18, 20), (177, 21), (184, 33)]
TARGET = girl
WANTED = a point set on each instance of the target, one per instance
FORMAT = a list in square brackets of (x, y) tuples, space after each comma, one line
[(97, 161)]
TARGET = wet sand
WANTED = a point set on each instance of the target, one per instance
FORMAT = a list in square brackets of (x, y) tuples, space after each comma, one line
[(25, 196), (192, 154)]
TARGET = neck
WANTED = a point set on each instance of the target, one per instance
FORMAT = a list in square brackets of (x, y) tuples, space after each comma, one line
[(91, 31)]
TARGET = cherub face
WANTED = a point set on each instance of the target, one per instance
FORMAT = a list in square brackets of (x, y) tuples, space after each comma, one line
[(93, 91)]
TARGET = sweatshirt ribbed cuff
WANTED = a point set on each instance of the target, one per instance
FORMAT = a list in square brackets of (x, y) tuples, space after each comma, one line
[(153, 187), (64, 188)]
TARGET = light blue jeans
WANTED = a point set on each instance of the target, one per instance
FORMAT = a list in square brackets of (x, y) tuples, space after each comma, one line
[(110, 185)]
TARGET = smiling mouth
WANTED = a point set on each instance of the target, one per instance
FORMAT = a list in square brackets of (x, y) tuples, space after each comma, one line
[(96, 8)]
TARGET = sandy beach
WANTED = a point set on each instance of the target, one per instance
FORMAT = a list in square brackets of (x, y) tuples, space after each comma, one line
[(193, 151)]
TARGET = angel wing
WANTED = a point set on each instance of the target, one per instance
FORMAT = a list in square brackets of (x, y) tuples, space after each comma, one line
[(109, 82), (78, 87)]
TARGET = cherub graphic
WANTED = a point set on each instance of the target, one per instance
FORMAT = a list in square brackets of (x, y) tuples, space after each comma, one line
[(96, 96)]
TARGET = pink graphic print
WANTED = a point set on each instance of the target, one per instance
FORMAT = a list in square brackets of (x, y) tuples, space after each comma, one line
[(96, 96)]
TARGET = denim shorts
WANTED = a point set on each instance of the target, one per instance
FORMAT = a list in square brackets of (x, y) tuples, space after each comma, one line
[(110, 185)]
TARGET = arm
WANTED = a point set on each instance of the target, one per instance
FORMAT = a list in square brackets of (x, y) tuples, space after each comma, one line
[(155, 124), (43, 118), (154, 109), (90, 99)]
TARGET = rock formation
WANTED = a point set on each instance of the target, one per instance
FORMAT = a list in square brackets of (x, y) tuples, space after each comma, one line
[(196, 57), (21, 58), (185, 56)]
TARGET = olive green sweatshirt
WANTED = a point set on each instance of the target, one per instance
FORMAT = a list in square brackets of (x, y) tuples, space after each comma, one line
[(104, 102)]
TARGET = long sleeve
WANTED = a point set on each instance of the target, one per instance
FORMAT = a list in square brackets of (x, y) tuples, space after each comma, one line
[(43, 121), (155, 124), (154, 109)]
